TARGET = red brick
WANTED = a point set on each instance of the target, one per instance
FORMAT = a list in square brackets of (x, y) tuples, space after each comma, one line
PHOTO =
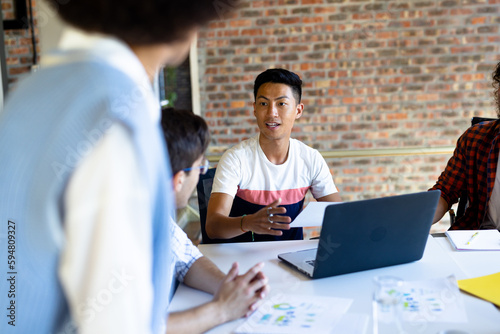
[(19, 70), (473, 77), (18, 50), (311, 2), (12, 60), (289, 20), (238, 104), (351, 100), (217, 25), (251, 32), (308, 20), (478, 20), (362, 16), (227, 33), (386, 34), (241, 23), (325, 10)]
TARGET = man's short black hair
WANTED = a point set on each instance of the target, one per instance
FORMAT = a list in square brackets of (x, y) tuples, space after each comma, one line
[(142, 22), (187, 137), (281, 76)]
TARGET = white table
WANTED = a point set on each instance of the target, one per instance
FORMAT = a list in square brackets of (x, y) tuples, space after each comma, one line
[(439, 260)]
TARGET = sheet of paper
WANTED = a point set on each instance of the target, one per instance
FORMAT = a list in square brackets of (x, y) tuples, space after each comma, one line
[(474, 239), (485, 287), (433, 300), (312, 215), (300, 314), (351, 323)]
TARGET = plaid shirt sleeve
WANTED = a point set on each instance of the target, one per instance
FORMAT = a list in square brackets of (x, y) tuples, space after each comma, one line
[(184, 253), (471, 171), (451, 182)]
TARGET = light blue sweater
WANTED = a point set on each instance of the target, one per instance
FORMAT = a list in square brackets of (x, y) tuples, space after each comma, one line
[(48, 123)]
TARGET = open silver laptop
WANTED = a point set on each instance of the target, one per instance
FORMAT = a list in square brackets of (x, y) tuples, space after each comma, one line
[(369, 234)]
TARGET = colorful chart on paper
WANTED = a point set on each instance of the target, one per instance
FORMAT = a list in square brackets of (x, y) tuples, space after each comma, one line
[(296, 314), (435, 300)]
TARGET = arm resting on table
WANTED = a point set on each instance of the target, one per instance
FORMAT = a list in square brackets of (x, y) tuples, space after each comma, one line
[(237, 296)]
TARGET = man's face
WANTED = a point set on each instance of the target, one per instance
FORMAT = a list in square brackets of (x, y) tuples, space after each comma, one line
[(276, 110), (191, 180)]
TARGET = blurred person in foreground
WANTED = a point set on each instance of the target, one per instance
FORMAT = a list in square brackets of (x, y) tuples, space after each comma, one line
[(85, 181)]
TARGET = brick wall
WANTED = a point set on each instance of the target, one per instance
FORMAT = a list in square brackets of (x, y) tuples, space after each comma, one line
[(18, 46), (377, 74)]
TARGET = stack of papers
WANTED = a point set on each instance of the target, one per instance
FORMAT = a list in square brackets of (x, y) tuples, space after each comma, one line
[(432, 300), (485, 287), (474, 239)]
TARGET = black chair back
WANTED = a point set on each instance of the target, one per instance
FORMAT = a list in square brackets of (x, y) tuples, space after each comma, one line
[(204, 189)]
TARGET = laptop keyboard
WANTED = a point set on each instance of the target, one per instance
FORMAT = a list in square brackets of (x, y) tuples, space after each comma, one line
[(311, 262)]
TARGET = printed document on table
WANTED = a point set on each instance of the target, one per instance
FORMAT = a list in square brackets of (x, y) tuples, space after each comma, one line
[(296, 314), (312, 215), (474, 239), (433, 300)]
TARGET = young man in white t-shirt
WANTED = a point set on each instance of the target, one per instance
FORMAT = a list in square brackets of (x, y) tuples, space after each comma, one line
[(260, 184)]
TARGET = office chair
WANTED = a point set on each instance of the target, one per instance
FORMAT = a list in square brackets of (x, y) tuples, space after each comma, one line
[(204, 188), (462, 201)]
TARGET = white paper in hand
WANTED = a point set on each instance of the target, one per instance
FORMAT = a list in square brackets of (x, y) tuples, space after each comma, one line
[(312, 215)]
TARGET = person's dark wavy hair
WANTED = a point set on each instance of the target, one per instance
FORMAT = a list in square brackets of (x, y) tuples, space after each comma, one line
[(496, 85), (142, 22), (187, 137), (281, 76)]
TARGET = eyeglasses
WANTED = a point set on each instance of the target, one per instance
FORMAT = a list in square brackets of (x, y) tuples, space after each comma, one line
[(203, 168)]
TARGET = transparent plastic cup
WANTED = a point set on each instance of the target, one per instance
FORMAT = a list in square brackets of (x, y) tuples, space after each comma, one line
[(387, 312)]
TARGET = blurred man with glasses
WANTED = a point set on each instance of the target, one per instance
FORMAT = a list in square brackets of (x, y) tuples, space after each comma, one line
[(187, 138)]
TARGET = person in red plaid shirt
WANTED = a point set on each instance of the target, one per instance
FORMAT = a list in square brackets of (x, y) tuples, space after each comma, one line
[(473, 169)]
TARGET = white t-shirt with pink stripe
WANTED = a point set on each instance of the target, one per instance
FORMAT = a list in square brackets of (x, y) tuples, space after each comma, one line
[(245, 171)]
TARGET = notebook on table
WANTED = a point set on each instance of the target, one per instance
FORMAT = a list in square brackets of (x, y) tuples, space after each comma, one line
[(369, 234), (474, 239)]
